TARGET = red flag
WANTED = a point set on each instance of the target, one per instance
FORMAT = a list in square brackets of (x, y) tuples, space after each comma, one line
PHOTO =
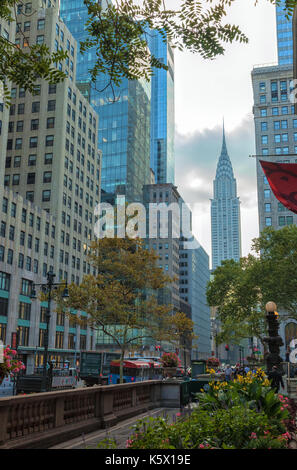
[(282, 178)]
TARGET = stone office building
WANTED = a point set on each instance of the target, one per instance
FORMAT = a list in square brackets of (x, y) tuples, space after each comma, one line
[(52, 183)]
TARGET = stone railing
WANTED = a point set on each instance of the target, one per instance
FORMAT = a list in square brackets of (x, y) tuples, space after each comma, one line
[(42, 420)]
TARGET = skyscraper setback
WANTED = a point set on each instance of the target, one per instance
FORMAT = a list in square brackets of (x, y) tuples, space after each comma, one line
[(225, 212)]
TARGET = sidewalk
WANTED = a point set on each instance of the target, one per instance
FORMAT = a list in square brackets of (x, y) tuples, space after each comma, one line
[(120, 432)]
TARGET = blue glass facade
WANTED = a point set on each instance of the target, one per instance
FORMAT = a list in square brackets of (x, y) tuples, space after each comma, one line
[(124, 124), (284, 36), (162, 112)]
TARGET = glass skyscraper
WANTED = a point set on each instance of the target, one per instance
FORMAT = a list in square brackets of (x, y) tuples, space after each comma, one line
[(284, 36), (124, 123), (162, 111)]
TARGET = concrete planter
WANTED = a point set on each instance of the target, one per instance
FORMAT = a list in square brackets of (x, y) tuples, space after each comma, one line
[(169, 371)]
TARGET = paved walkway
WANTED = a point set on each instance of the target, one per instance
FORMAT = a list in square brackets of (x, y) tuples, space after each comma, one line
[(120, 432)]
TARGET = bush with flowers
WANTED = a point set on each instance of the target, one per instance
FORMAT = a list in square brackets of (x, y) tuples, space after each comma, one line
[(253, 391), (235, 428), (212, 362), (11, 365), (243, 414), (170, 360)]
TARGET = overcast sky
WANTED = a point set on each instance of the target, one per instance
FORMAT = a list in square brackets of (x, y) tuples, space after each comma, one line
[(205, 92)]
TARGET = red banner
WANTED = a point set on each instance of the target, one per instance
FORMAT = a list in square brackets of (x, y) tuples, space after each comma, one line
[(282, 178)]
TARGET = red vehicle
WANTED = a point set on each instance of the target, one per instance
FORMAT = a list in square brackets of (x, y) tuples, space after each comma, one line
[(135, 371)]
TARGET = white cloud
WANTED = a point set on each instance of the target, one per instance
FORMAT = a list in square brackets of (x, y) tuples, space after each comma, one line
[(205, 91), (196, 161)]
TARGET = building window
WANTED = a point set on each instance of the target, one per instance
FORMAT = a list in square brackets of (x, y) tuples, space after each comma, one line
[(50, 123), (47, 177), (48, 158), (49, 141), (4, 281), (46, 195), (32, 160), (34, 124), (59, 340), (41, 24), (3, 307), (23, 332), (51, 105), (9, 256), (31, 178), (33, 142), (30, 196), (21, 261), (26, 287), (35, 107)]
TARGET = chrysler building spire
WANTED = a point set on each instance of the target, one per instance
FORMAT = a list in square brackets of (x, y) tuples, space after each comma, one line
[(225, 211)]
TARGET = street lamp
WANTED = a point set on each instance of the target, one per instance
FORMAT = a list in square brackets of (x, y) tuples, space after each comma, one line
[(274, 340), (47, 289)]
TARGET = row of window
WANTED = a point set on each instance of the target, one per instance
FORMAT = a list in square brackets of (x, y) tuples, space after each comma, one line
[(279, 151), (48, 160), (278, 138), (35, 107), (31, 217), (282, 221), (280, 207), (18, 126), (52, 89), (33, 142), (275, 111), (283, 124)]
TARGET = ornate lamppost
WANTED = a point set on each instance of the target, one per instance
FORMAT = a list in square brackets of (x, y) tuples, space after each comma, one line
[(47, 289), (274, 341)]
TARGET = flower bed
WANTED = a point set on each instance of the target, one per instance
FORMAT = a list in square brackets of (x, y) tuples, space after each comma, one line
[(11, 365), (243, 414)]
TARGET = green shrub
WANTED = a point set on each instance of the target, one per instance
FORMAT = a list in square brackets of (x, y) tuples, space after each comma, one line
[(233, 428)]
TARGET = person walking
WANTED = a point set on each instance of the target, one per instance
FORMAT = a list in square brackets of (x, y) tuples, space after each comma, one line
[(228, 373), (276, 379), (246, 370)]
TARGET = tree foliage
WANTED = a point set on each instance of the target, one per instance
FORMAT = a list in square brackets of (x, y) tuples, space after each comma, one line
[(241, 289), (24, 65), (119, 32), (120, 299)]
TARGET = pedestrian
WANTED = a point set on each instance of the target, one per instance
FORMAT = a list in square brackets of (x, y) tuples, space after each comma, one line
[(228, 373), (246, 369), (276, 379), (236, 371)]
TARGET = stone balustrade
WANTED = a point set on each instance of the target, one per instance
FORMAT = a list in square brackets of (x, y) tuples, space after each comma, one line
[(41, 420)]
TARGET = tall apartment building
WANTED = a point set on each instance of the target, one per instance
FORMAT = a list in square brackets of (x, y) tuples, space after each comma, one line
[(52, 162), (162, 111), (194, 276), (124, 127), (189, 268), (166, 244), (275, 137), (276, 141), (225, 212)]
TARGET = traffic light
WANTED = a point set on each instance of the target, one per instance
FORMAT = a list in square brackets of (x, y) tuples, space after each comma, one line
[(227, 347), (157, 348)]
